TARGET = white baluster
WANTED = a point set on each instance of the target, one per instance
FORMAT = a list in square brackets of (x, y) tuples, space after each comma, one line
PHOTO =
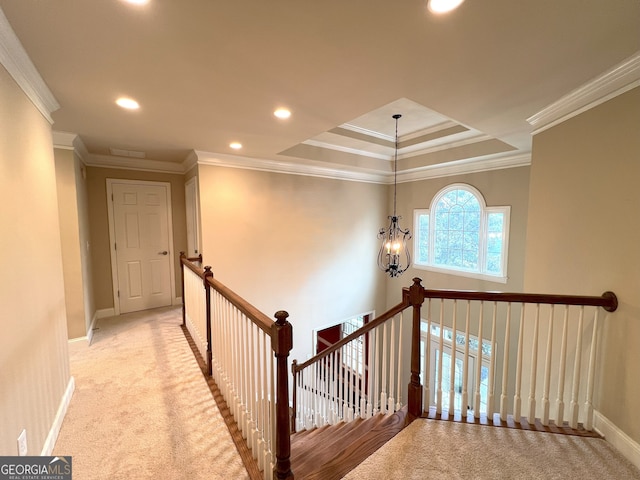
[(376, 371), (452, 374), (534, 365), (440, 355), (383, 393), (370, 343), (398, 405), (392, 366), (477, 400), (337, 386), (562, 368), (517, 401), (492, 365), (588, 424), (547, 371), (464, 403), (426, 379), (573, 421)]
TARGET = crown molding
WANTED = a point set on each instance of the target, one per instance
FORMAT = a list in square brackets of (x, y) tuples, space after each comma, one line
[(459, 167), (64, 140), (14, 58), (232, 161), (615, 81), (484, 163), (350, 150), (128, 163), (70, 141), (466, 166)]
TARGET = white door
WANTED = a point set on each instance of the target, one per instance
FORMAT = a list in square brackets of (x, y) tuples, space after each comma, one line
[(193, 217), (141, 245)]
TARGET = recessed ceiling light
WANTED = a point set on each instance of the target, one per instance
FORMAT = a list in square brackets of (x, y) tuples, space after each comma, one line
[(137, 2), (282, 113), (128, 103), (443, 6), (235, 145)]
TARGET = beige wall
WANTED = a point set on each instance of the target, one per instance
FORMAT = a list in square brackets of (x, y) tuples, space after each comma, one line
[(74, 233), (82, 198), (500, 188), (34, 365), (70, 240), (289, 242), (99, 225), (584, 236)]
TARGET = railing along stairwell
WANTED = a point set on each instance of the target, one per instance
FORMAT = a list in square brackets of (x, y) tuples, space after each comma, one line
[(247, 356), (478, 356), (481, 356)]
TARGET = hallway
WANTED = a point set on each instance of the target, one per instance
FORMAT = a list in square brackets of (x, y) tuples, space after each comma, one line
[(141, 407)]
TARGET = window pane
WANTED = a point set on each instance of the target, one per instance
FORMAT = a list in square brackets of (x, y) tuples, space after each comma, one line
[(460, 234), (423, 239), (472, 221), (493, 264), (496, 221), (495, 236)]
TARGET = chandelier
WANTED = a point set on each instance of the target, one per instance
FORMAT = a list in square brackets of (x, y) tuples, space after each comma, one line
[(394, 257)]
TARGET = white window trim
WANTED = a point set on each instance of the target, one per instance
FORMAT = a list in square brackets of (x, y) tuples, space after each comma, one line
[(482, 255)]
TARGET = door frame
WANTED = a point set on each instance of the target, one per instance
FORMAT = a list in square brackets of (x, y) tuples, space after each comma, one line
[(196, 212), (112, 237)]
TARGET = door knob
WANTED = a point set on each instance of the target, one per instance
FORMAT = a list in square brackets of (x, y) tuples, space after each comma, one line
[(163, 253)]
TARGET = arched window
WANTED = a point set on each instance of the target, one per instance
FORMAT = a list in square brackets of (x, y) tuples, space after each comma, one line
[(459, 234)]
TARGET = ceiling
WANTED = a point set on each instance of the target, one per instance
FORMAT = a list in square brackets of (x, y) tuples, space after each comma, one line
[(207, 73)]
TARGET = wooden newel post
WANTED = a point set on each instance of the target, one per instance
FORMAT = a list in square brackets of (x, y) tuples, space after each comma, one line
[(416, 298), (282, 343), (207, 292), (184, 311)]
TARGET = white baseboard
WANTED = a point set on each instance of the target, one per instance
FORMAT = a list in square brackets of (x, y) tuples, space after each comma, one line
[(628, 447), (91, 327), (105, 312), (89, 336), (50, 442), (177, 301)]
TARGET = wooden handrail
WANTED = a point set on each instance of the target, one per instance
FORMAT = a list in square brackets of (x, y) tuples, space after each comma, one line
[(297, 367), (607, 300), (252, 313)]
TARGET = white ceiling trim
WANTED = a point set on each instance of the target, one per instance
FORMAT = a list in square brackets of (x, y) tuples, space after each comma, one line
[(367, 132), (221, 160), (14, 58), (619, 79), (129, 163), (340, 148), (63, 140), (71, 141), (466, 166)]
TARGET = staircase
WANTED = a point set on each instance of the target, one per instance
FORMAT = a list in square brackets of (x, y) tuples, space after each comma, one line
[(313, 452)]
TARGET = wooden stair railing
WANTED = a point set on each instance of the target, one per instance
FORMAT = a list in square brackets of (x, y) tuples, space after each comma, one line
[(334, 378), (247, 356), (318, 386)]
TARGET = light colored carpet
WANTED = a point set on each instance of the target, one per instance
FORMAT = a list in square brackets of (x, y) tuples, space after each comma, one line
[(142, 408), (432, 449)]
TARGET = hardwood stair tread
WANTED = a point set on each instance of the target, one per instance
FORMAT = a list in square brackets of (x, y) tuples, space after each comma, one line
[(316, 457)]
